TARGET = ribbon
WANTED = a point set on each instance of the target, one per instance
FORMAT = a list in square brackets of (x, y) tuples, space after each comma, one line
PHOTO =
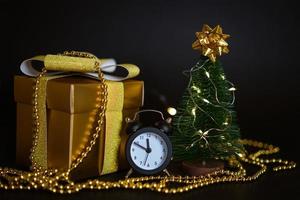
[(62, 66)]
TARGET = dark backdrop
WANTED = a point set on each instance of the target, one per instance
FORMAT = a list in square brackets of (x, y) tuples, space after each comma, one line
[(157, 36)]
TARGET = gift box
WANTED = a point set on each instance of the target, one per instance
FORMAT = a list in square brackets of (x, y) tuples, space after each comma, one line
[(71, 119)]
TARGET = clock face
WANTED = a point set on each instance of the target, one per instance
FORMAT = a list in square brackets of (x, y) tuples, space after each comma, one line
[(149, 150)]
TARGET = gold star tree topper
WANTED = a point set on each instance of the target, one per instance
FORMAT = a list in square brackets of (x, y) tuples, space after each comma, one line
[(211, 42)]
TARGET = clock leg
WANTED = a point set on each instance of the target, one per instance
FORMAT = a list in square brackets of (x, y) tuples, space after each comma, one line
[(167, 172), (129, 173)]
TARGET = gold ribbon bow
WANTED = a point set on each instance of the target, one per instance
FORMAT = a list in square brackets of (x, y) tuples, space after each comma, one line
[(211, 42), (62, 63)]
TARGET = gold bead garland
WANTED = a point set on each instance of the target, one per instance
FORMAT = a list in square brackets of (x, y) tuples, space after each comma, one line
[(51, 180), (58, 181)]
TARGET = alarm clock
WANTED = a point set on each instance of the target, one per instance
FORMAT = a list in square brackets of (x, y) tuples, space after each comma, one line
[(148, 148)]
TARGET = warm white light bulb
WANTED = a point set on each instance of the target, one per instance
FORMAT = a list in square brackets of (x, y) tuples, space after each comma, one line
[(172, 111), (205, 100), (207, 74), (194, 111), (196, 89)]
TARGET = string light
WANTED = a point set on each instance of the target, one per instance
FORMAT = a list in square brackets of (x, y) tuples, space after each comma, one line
[(196, 89), (226, 122), (172, 111), (205, 100), (219, 104), (194, 111), (207, 74)]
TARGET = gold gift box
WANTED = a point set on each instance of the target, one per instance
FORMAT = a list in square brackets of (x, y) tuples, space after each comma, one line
[(71, 119)]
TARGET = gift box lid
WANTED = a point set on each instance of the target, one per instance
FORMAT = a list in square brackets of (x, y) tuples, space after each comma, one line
[(78, 94)]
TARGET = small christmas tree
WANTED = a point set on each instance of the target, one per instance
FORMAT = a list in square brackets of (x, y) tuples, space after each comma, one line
[(205, 124)]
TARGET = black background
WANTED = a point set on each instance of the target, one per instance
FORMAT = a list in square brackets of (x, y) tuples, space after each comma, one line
[(157, 36)]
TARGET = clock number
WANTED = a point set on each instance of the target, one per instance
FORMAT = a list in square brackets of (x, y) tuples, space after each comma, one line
[(148, 135), (155, 163), (148, 165), (161, 157), (141, 162), (134, 158), (161, 142), (164, 150), (132, 149), (141, 137)]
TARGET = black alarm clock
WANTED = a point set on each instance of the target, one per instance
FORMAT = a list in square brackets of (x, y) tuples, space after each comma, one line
[(148, 148)]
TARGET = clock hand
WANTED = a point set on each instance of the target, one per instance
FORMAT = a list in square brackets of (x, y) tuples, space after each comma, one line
[(146, 159), (137, 144), (148, 150), (148, 146)]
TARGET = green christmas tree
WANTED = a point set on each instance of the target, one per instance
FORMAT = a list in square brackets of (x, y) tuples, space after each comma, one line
[(205, 124)]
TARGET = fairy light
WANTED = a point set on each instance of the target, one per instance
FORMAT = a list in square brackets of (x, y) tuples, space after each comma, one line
[(241, 155), (172, 111), (205, 100), (196, 89), (193, 111), (226, 122), (207, 74), (202, 136)]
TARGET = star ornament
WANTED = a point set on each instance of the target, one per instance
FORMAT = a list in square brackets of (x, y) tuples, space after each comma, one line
[(211, 42)]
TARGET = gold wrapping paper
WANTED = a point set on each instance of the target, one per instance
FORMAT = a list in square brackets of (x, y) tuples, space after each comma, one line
[(70, 120)]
